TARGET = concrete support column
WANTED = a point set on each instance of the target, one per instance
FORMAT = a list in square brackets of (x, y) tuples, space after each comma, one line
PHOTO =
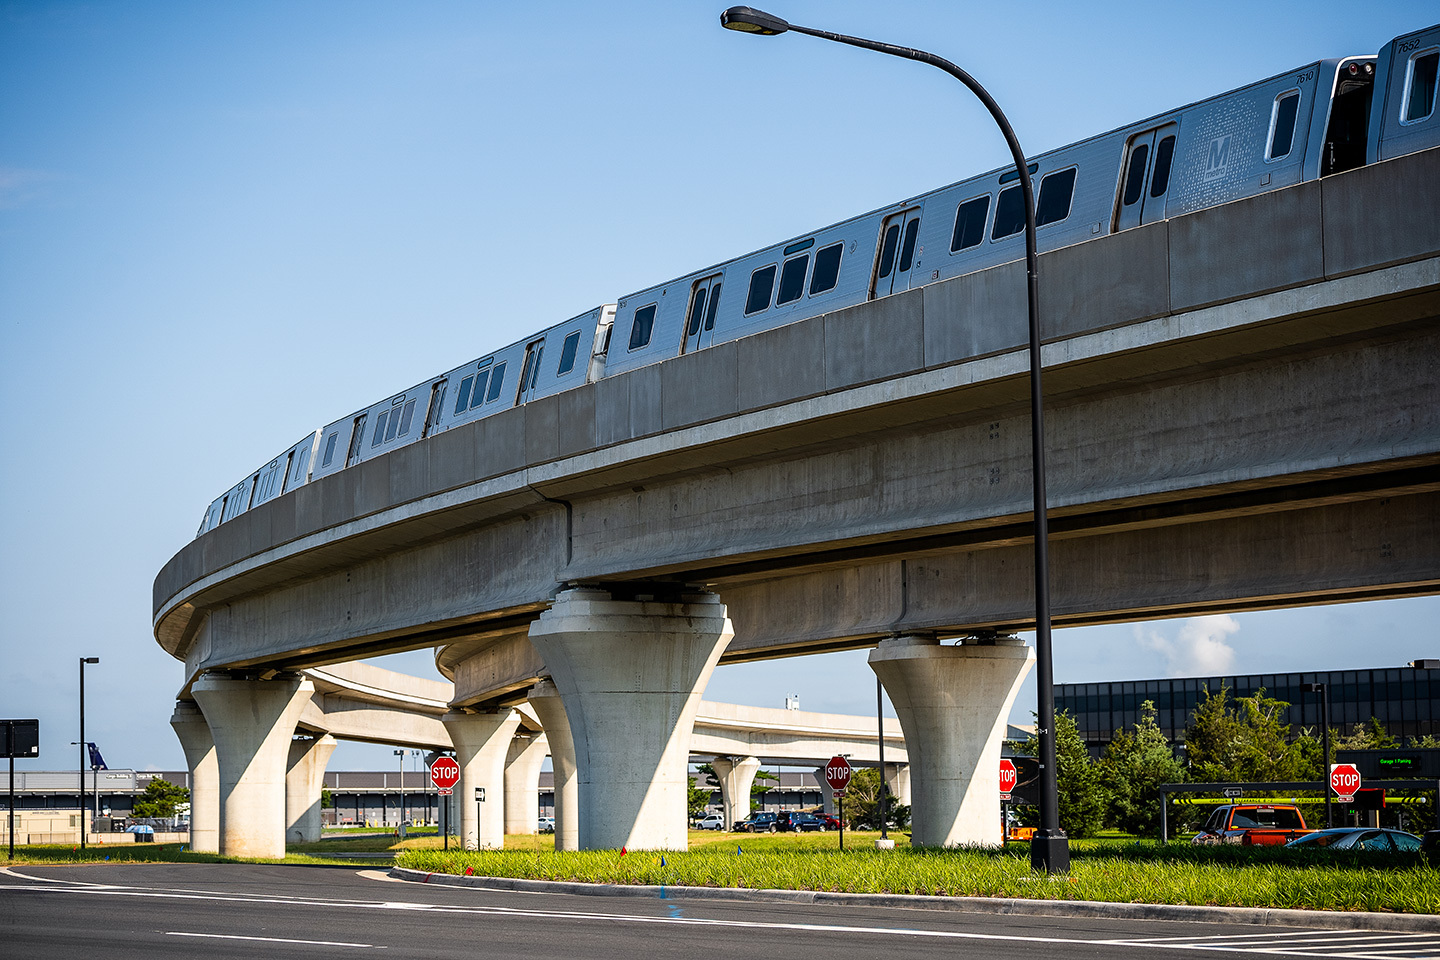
[(304, 779), (631, 673), (827, 796), (953, 702), (523, 761), (897, 776), (545, 698), (252, 722), (736, 778), (199, 746), (482, 741)]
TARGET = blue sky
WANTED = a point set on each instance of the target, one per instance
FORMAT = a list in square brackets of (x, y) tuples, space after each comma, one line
[(222, 225)]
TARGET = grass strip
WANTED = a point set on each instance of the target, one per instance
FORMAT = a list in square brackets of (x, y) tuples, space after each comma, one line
[(1113, 872)]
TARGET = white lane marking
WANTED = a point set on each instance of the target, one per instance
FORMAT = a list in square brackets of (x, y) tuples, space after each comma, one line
[(231, 936), (1240, 943)]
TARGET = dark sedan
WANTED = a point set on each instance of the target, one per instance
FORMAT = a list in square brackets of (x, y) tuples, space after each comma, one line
[(1358, 838)]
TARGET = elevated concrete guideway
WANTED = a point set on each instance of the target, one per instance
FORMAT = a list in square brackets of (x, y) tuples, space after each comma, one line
[(1256, 375), (1243, 411)]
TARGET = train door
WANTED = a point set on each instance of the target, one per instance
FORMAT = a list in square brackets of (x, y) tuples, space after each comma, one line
[(1146, 178), (895, 254), (357, 434), (530, 370), (437, 403), (700, 321)]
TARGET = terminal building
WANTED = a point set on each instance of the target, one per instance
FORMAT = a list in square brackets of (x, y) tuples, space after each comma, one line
[(1403, 699)]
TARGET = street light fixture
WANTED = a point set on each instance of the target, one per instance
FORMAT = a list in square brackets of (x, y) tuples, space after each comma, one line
[(83, 747), (1050, 849), (1324, 692)]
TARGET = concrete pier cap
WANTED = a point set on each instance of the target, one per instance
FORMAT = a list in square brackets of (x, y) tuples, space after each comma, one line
[(737, 777), (482, 744), (252, 722), (544, 698), (630, 662), (199, 746), (304, 782), (953, 702)]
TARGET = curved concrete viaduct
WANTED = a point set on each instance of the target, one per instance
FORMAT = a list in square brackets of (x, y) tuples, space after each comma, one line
[(1243, 411)]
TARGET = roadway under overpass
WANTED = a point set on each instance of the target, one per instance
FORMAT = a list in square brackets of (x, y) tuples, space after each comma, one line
[(1243, 411)]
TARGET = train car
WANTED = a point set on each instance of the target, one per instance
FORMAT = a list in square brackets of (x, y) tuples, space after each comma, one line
[(1265, 136), (281, 475), (497, 381), (1403, 117)]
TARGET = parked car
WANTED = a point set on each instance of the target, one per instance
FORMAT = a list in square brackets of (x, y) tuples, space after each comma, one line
[(826, 821), (759, 823), (1358, 838), (547, 825), (1253, 824), (711, 821)]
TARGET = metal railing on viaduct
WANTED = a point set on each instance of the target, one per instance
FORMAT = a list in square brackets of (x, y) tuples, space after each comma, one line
[(1243, 409)]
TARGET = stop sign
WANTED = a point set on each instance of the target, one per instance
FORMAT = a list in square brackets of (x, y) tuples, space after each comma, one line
[(1008, 776), (837, 773), (1344, 780), (445, 773)]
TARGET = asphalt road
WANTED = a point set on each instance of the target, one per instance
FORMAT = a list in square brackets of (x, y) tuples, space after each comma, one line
[(218, 911)]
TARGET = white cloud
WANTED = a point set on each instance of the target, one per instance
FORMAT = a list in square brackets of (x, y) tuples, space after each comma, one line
[(1198, 650)]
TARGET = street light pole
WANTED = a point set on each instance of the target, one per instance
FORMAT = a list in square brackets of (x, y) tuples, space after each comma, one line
[(83, 747), (400, 822), (1324, 691), (1050, 849)]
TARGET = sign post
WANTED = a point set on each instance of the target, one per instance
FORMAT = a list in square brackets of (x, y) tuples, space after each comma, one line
[(22, 739), (837, 775), (445, 773), (1344, 780)]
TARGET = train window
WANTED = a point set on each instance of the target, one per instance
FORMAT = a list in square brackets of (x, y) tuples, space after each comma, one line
[(887, 252), (970, 223), (642, 325), (1282, 124), (380, 428), (697, 311), (1056, 191), (792, 280), (406, 416), (330, 449), (1164, 155), (907, 249), (1420, 87), (714, 305), (827, 269), (497, 379), (462, 399), (1135, 176), (477, 397), (762, 282), (394, 426), (1009, 214), (567, 354)]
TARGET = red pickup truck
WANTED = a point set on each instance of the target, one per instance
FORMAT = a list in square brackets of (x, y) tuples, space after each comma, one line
[(1253, 824)]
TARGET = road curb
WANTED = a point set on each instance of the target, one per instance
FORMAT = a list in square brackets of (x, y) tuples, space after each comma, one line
[(1261, 916)]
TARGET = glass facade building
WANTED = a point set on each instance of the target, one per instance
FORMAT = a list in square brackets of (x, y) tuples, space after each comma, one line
[(1402, 698)]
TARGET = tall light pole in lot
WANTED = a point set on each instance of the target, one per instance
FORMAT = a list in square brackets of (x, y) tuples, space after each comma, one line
[(1324, 692), (400, 821), (84, 746), (1050, 849)]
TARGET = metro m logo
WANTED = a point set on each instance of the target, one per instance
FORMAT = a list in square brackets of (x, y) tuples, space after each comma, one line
[(1219, 158)]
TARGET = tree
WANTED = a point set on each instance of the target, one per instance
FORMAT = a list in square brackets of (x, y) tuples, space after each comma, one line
[(1082, 796), (160, 798), (1371, 736), (1243, 741), (1132, 769), (862, 802), (327, 801)]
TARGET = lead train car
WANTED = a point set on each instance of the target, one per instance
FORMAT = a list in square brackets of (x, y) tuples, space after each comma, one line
[(1323, 118)]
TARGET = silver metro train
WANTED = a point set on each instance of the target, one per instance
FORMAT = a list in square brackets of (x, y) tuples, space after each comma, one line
[(1317, 120)]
